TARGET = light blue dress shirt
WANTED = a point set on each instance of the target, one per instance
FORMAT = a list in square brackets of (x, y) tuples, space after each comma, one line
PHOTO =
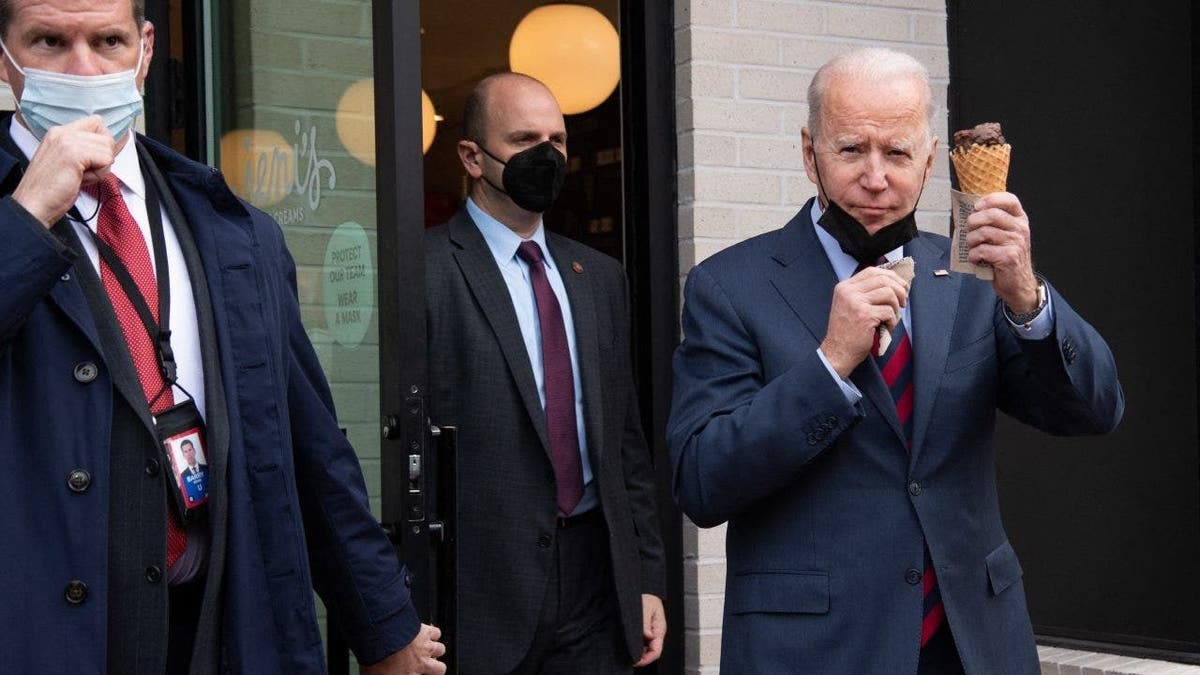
[(844, 266), (503, 243)]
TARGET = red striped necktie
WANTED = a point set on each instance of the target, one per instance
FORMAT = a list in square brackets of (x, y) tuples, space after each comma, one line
[(896, 367), (117, 228)]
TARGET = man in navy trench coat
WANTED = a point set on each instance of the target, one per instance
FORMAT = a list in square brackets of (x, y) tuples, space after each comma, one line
[(287, 509)]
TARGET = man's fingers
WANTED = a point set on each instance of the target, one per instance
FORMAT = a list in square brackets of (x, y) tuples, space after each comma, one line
[(432, 666), (1004, 201), (887, 296), (433, 632)]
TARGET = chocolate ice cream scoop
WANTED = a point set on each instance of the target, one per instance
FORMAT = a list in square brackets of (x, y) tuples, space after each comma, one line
[(987, 133)]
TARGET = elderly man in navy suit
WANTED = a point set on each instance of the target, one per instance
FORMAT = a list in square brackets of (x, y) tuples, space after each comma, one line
[(864, 529)]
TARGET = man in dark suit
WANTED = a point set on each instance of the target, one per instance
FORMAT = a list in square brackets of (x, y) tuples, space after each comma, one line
[(560, 560), (142, 300), (864, 531)]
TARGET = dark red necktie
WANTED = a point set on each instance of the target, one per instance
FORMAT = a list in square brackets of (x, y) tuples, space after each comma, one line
[(117, 228), (559, 381), (896, 366)]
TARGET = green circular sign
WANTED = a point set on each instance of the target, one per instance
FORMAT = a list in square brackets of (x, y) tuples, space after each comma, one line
[(348, 279)]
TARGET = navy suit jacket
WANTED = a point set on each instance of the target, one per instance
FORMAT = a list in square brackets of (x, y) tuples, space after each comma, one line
[(295, 489), (827, 513)]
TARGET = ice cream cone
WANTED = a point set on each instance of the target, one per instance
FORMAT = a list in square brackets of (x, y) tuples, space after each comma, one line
[(981, 169)]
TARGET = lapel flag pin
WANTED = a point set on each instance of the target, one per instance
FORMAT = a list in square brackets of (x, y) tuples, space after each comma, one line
[(577, 267), (941, 273)]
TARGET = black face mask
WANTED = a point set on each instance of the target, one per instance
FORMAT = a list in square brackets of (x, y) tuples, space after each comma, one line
[(533, 177), (854, 238)]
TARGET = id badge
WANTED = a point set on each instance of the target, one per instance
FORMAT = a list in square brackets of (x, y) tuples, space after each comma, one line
[(181, 439)]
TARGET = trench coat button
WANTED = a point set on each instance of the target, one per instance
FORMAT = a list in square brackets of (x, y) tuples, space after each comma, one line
[(408, 579), (152, 467), (914, 489), (86, 372), (76, 592), (153, 574), (79, 480), (913, 576), (544, 541)]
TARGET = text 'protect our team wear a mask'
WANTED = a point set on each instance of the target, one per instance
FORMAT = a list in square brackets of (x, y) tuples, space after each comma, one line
[(52, 99), (533, 177)]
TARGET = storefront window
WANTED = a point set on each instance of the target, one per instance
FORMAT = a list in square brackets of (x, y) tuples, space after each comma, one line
[(294, 136)]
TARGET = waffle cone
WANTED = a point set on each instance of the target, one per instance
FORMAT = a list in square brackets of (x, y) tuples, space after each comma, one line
[(982, 169)]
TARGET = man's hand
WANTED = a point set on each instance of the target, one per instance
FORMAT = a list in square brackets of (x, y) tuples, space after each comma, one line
[(654, 629), (999, 236), (873, 296), (420, 656), (69, 156)]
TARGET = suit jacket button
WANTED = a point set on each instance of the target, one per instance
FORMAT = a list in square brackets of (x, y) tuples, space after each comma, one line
[(408, 579), (914, 488), (79, 480), (76, 592), (152, 467), (86, 372), (544, 541), (913, 576), (153, 574)]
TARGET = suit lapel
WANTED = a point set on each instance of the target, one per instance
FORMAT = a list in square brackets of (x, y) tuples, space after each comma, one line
[(581, 293), (933, 305), (478, 267), (97, 308), (805, 279)]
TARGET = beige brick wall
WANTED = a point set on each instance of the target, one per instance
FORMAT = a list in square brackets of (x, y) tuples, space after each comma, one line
[(743, 68)]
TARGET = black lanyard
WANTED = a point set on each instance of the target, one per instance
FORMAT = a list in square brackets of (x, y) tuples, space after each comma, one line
[(159, 332)]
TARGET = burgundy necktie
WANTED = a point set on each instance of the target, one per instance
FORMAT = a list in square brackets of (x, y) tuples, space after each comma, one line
[(559, 382), (117, 228), (896, 366)]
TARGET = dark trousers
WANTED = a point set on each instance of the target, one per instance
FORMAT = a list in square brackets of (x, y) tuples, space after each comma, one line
[(579, 631), (940, 656), (184, 613)]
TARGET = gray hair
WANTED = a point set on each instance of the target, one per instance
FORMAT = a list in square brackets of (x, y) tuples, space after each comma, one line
[(871, 63)]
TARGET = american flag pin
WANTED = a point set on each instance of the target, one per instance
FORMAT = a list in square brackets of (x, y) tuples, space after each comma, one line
[(941, 273), (577, 267)]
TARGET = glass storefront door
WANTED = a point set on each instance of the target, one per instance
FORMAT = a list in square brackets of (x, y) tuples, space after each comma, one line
[(291, 126), (295, 94), (292, 98)]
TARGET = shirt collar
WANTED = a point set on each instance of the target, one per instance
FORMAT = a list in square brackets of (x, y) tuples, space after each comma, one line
[(125, 166), (502, 241), (843, 264)]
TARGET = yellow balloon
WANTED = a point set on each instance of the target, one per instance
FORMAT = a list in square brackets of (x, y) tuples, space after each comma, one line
[(259, 165), (573, 49)]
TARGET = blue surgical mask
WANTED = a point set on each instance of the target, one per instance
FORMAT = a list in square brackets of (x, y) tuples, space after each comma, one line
[(52, 99)]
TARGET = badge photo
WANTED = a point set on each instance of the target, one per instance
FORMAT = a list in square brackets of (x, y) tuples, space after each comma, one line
[(189, 466)]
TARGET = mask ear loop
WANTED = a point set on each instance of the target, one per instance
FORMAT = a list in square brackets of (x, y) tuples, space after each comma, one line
[(87, 221), (817, 170)]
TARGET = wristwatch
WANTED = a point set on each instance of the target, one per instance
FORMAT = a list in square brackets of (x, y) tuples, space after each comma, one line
[(1025, 318)]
